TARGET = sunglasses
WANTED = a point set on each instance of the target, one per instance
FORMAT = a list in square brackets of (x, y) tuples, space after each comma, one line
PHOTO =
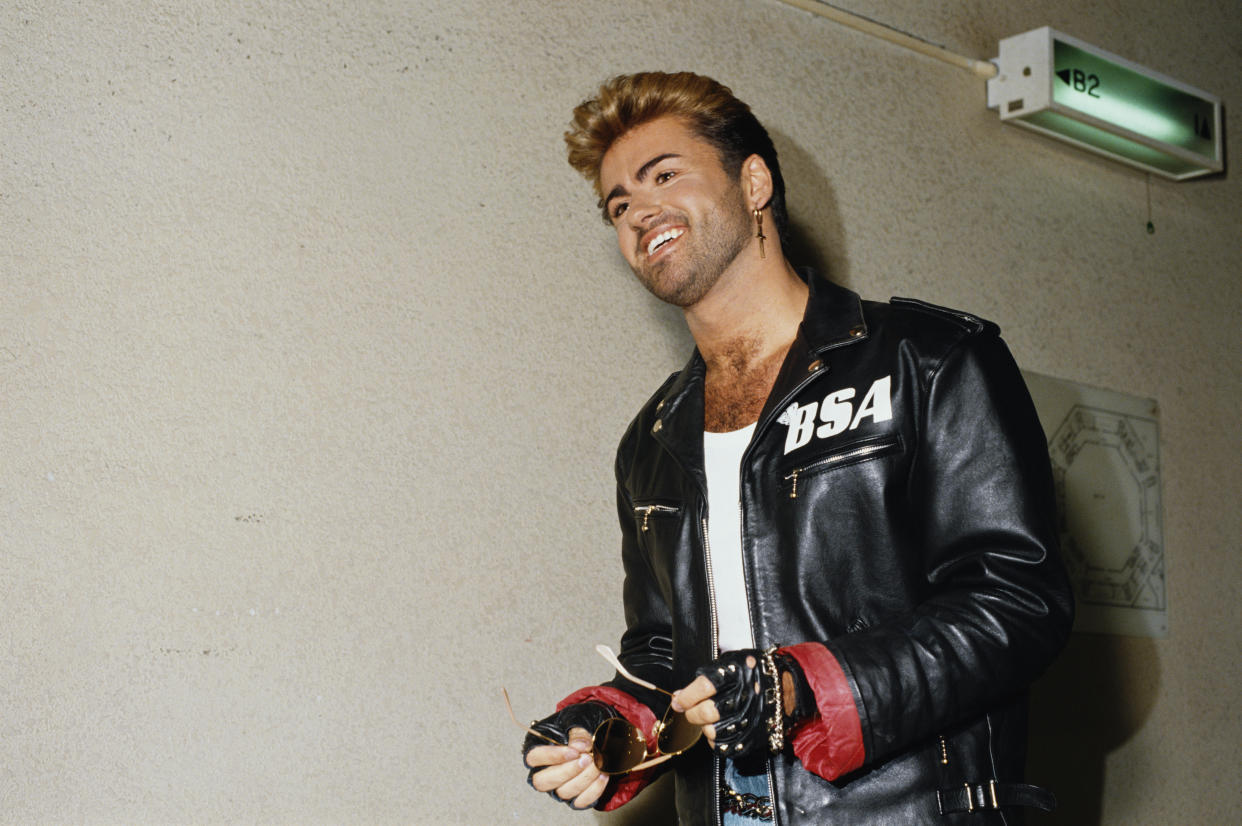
[(618, 746)]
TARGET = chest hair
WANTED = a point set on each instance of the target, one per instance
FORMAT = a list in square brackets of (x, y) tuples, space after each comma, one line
[(734, 392)]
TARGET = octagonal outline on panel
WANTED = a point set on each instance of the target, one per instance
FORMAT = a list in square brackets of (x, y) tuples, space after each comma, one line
[(1130, 576)]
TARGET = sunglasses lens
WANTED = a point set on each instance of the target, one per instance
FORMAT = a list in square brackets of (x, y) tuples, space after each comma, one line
[(619, 747), (676, 733)]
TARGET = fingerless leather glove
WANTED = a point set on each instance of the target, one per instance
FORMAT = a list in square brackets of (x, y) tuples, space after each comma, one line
[(742, 699), (751, 702)]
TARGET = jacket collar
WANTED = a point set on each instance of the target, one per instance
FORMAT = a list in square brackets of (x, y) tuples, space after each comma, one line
[(834, 315)]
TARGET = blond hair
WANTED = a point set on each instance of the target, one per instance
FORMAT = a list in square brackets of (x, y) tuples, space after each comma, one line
[(709, 107)]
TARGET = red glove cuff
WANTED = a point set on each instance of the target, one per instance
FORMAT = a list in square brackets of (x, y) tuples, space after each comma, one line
[(831, 743), (621, 788)]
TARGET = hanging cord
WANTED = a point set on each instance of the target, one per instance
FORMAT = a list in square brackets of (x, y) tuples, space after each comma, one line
[(982, 68), (1151, 228)]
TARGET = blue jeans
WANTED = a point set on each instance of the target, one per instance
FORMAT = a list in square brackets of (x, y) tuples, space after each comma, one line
[(756, 784)]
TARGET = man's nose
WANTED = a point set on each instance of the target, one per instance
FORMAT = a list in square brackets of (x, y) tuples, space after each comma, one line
[(643, 210)]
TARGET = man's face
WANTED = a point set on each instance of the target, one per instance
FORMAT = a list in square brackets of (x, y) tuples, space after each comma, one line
[(680, 219)]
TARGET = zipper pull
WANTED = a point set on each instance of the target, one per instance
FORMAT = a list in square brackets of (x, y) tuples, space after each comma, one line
[(647, 515), (793, 492), (944, 752)]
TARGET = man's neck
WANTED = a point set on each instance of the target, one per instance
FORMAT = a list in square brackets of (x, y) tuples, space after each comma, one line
[(748, 316), (743, 329)]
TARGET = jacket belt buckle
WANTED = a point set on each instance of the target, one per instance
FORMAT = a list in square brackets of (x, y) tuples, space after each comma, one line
[(987, 795)]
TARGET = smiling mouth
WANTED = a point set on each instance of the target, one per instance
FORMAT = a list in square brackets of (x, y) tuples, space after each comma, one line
[(663, 238)]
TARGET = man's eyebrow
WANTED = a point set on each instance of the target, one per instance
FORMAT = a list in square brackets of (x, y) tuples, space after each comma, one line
[(640, 176)]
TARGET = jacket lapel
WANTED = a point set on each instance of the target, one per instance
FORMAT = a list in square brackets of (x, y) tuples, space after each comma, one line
[(833, 319)]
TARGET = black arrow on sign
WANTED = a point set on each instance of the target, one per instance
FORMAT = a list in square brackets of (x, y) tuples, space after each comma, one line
[(1064, 74), (1202, 128)]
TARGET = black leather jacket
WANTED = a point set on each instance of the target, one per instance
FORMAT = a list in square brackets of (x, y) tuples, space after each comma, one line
[(908, 525)]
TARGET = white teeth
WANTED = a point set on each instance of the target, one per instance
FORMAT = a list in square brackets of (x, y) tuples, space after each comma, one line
[(667, 235)]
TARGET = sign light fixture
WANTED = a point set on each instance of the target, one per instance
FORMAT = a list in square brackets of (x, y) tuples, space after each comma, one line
[(1078, 93)]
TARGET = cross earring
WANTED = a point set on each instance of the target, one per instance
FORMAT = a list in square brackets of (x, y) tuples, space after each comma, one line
[(759, 231)]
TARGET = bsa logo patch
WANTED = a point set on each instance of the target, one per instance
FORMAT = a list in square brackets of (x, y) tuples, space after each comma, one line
[(836, 413)]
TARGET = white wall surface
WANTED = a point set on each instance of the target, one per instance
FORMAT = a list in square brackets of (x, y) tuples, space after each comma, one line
[(314, 353)]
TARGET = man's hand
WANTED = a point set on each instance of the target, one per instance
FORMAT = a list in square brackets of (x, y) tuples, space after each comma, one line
[(560, 760), (729, 700), (568, 772)]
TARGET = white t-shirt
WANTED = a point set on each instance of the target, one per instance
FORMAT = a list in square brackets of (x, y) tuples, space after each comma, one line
[(722, 461)]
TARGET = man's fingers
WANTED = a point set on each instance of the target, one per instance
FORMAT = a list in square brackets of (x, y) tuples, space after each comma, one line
[(694, 701), (579, 783), (580, 743), (693, 694), (554, 777), (581, 740), (550, 756), (703, 713), (588, 798)]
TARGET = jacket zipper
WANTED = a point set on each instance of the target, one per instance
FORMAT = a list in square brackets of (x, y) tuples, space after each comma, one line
[(646, 511), (835, 459), (715, 632), (741, 513), (772, 792), (711, 595)]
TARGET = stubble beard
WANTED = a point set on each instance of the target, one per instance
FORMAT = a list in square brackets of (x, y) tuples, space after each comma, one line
[(685, 278)]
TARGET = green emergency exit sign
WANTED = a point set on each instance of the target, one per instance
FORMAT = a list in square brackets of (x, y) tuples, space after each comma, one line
[(1075, 92)]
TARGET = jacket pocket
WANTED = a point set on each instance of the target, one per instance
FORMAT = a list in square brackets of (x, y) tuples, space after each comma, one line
[(644, 512), (853, 453)]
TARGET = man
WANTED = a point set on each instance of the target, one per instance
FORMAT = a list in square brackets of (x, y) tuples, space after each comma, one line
[(837, 519)]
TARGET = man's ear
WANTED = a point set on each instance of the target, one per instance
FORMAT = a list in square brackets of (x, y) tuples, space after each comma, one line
[(756, 182)]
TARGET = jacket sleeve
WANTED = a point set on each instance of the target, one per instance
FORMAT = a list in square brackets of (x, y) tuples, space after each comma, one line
[(647, 644), (830, 743), (646, 651), (998, 607)]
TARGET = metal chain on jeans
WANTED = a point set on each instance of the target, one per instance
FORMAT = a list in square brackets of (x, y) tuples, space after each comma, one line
[(746, 805)]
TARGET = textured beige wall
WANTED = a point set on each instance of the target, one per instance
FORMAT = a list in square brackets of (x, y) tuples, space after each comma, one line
[(313, 355)]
